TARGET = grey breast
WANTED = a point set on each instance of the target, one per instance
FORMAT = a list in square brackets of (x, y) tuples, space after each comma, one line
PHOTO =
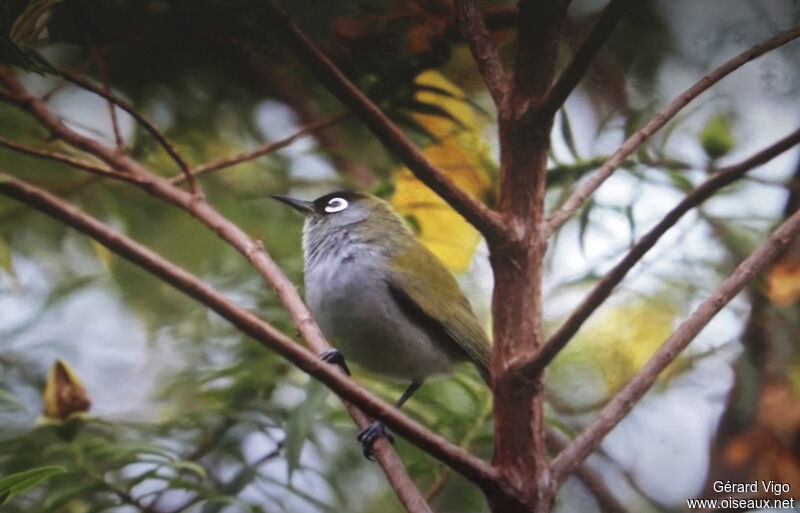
[(348, 294)]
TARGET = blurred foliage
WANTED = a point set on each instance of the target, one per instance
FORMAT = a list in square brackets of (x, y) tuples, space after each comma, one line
[(784, 283), (15, 484), (458, 148), (20, 25), (188, 415), (608, 351), (716, 138)]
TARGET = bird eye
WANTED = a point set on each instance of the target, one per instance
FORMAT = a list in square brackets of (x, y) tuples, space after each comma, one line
[(336, 205)]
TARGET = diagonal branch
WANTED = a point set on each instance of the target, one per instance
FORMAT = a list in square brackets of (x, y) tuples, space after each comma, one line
[(572, 74), (574, 202), (605, 498), (566, 462), (488, 222), (112, 111), (66, 159), (602, 290), (459, 459), (473, 28), (463, 462), (139, 117), (262, 150)]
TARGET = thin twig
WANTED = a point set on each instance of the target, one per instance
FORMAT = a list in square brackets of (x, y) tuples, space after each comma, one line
[(610, 416), (66, 159), (578, 197), (71, 189), (602, 290), (112, 111), (468, 465), (583, 57), (262, 150), (473, 28), (488, 222), (607, 501), (62, 82), (139, 117)]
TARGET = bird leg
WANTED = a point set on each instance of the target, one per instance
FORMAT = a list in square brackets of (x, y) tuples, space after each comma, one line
[(336, 358), (368, 435)]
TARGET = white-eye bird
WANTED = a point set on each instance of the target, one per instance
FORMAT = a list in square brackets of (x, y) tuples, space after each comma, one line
[(381, 297)]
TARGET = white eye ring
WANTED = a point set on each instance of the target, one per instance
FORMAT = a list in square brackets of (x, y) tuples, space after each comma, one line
[(336, 205)]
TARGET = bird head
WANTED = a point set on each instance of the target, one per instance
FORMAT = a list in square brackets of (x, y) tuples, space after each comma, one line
[(359, 214)]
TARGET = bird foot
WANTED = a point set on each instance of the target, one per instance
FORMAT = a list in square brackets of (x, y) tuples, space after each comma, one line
[(371, 433), (336, 358)]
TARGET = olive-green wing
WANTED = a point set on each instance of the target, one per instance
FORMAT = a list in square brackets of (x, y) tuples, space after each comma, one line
[(428, 293)]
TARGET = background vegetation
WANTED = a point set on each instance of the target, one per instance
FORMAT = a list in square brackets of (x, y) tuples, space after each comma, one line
[(189, 415)]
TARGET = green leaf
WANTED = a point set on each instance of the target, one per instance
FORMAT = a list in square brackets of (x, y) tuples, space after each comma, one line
[(411, 220), (583, 224), (716, 138), (566, 133), (15, 484), (5, 257), (9, 401), (60, 496), (214, 504), (24, 56), (190, 466), (680, 182), (298, 426), (631, 223)]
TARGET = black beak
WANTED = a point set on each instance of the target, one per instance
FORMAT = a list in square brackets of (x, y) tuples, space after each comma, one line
[(305, 207)]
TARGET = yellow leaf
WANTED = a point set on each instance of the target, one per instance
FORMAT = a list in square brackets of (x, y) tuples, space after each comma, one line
[(783, 283), (609, 350), (64, 394), (459, 152), (102, 253)]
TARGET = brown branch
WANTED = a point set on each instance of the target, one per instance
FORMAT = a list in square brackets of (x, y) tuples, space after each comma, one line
[(468, 465), (602, 290), (583, 57), (262, 150), (66, 159), (459, 459), (519, 437), (606, 500), (489, 223), (112, 111), (473, 28), (139, 117), (626, 399), (20, 210), (82, 66), (574, 202)]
